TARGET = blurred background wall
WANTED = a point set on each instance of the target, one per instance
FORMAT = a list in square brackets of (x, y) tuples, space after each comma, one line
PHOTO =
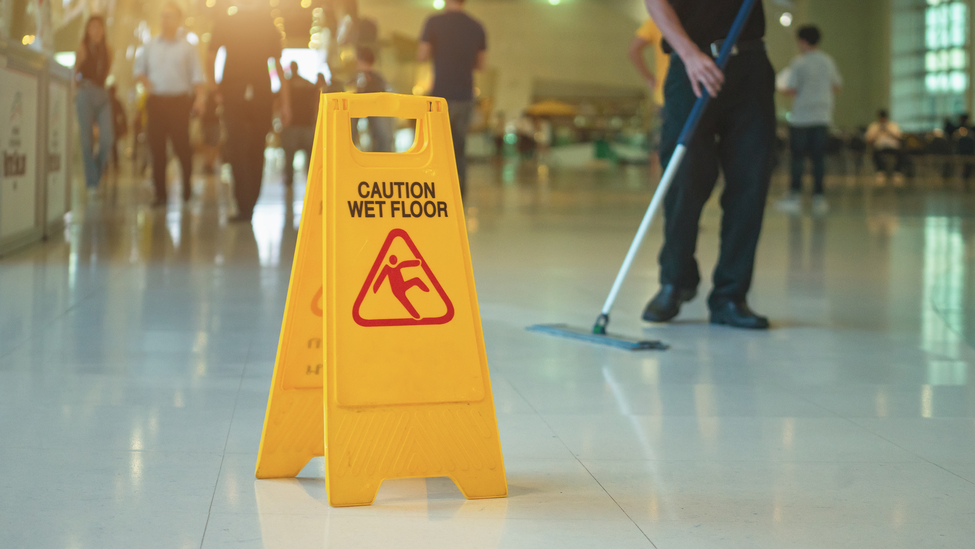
[(912, 56)]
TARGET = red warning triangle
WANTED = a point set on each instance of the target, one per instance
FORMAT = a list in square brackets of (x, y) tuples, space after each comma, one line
[(387, 275)]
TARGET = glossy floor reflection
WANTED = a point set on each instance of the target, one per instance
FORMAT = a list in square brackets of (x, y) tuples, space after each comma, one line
[(136, 355)]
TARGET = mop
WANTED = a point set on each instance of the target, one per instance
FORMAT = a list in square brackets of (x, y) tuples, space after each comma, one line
[(598, 333)]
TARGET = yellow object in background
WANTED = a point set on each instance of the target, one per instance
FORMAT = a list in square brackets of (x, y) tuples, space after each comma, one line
[(650, 33), (407, 389)]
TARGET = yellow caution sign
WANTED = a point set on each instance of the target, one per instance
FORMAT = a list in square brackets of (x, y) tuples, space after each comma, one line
[(407, 389), (294, 424)]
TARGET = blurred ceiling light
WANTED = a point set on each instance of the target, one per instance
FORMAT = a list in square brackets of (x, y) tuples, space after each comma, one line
[(211, 3), (438, 4), (786, 19), (306, 3), (555, 2), (28, 39), (274, 3), (192, 38), (231, 10)]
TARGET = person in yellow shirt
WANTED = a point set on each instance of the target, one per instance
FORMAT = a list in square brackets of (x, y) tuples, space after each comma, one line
[(648, 35)]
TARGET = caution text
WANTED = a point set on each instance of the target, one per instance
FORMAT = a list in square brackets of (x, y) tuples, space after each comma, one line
[(425, 206)]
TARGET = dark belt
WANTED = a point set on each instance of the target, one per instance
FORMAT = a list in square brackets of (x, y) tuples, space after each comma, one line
[(739, 47)]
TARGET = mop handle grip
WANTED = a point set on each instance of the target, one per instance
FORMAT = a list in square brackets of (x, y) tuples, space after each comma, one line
[(723, 56)]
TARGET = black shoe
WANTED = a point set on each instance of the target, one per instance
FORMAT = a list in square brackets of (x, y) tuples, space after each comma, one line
[(666, 304), (738, 315)]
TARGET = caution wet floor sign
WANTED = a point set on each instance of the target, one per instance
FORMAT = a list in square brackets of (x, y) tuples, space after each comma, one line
[(405, 380)]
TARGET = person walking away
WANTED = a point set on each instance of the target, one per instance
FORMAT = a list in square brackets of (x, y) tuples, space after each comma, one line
[(210, 122), (250, 39), (93, 61), (456, 43), (812, 80), (736, 135), (170, 70), (649, 36), (368, 80), (120, 124), (884, 137), (299, 135)]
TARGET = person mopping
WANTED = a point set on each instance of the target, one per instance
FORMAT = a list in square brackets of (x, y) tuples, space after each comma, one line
[(735, 137)]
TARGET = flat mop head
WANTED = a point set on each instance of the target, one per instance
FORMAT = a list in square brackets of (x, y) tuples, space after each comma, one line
[(620, 342)]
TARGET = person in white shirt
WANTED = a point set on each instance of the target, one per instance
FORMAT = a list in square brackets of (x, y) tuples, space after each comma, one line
[(884, 136), (170, 69), (812, 80)]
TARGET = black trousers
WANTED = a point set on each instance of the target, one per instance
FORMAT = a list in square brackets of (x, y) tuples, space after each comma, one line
[(880, 159), (247, 125), (737, 137), (808, 141), (460, 121), (169, 119)]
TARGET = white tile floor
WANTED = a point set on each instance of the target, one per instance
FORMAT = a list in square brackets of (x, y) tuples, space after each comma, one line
[(136, 355)]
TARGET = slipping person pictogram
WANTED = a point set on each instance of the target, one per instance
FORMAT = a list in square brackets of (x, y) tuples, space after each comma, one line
[(398, 284), (379, 308)]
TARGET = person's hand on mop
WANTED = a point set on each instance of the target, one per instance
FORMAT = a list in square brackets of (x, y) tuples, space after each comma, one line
[(703, 72)]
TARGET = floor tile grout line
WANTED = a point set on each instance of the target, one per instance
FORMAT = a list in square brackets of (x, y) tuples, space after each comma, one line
[(49, 323), (226, 442), (915, 454), (611, 496), (579, 461), (881, 437)]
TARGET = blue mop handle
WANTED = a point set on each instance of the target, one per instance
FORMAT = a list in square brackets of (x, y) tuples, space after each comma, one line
[(723, 56)]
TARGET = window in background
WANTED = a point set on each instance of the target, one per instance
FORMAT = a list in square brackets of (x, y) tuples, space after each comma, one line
[(946, 41), (931, 71)]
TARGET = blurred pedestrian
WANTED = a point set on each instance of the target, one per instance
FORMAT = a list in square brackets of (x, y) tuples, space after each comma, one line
[(884, 136), (812, 80), (456, 43), (299, 135), (140, 142), (170, 70), (368, 80), (93, 61), (210, 122), (735, 137), (964, 121), (964, 145), (250, 39), (499, 131), (649, 36), (120, 124)]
